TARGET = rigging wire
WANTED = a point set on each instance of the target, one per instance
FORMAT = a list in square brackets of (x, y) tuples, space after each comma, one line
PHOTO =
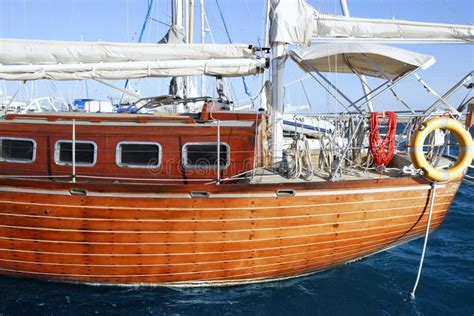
[(456, 12), (253, 23), (142, 32), (230, 87), (127, 19), (211, 35), (310, 105), (25, 20), (300, 82), (246, 88)]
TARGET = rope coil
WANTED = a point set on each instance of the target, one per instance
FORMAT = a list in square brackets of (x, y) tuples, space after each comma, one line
[(382, 150)]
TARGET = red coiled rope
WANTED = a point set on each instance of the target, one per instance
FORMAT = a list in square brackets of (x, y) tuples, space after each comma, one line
[(382, 150)]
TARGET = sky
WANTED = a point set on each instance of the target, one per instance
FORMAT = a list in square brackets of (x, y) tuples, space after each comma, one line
[(121, 21)]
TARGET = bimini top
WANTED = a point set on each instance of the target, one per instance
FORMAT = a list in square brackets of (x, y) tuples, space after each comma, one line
[(372, 60)]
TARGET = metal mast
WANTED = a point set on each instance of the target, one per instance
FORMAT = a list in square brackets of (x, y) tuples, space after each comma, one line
[(278, 77), (191, 22), (278, 106), (266, 73), (190, 38)]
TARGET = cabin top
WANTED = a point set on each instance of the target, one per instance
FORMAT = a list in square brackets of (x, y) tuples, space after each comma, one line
[(131, 147), (211, 111)]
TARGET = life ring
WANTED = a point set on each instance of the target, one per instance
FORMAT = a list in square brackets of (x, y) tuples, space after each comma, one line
[(465, 149)]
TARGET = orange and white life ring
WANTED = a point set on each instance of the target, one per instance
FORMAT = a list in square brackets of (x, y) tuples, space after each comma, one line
[(465, 149)]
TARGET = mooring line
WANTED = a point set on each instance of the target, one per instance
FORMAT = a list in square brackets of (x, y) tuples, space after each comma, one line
[(433, 194)]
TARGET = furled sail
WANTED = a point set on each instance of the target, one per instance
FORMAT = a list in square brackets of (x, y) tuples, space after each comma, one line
[(61, 60), (296, 22), (374, 60), (326, 25)]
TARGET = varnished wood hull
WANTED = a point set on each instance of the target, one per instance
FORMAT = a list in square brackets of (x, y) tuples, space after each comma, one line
[(120, 234)]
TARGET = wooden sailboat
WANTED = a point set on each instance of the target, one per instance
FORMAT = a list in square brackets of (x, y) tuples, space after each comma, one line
[(191, 199)]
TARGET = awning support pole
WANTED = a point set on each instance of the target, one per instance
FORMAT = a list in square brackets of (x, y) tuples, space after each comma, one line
[(353, 104), (453, 89), (387, 85), (363, 79), (433, 93), (380, 70)]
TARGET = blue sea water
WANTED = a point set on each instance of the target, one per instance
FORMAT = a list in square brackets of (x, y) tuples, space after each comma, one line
[(377, 285)]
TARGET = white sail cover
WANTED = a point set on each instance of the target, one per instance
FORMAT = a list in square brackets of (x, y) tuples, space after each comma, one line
[(295, 22), (327, 25), (363, 58), (291, 21), (62, 60)]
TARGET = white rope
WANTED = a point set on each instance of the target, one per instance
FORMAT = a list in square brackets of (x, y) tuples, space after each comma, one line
[(433, 194), (302, 158), (326, 153), (307, 161)]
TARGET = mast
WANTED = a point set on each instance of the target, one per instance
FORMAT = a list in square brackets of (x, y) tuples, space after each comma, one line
[(363, 79), (265, 75), (291, 22), (278, 48), (191, 22), (278, 78), (190, 38), (345, 8)]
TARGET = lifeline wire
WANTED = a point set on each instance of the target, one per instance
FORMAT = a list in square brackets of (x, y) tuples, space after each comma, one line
[(433, 194)]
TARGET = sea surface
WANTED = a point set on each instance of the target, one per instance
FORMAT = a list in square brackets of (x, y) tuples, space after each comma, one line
[(377, 285)]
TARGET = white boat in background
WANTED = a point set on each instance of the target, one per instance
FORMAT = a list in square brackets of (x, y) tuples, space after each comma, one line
[(307, 125), (9, 105), (46, 104), (94, 106)]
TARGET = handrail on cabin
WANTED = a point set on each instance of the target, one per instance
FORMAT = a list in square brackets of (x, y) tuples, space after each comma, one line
[(52, 117)]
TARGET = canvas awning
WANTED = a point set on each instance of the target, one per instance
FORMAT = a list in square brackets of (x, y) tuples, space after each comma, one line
[(64, 60), (363, 58)]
